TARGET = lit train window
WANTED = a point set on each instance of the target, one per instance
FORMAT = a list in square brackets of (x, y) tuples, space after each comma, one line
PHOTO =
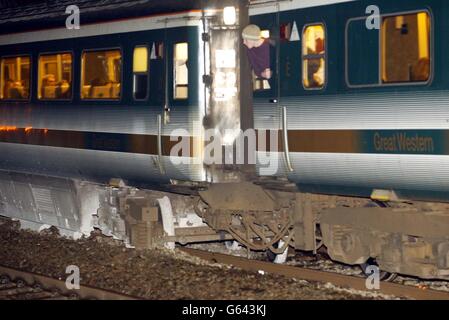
[(140, 71), (314, 56), (265, 34), (55, 76), (101, 74), (260, 83), (181, 72), (405, 48), (15, 78)]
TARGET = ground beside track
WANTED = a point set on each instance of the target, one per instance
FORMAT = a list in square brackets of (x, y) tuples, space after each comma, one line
[(151, 274)]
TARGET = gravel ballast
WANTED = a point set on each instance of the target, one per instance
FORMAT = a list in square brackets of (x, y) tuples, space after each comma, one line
[(150, 274)]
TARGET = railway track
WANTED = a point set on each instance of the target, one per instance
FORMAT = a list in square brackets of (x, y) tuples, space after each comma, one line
[(22, 285), (336, 279)]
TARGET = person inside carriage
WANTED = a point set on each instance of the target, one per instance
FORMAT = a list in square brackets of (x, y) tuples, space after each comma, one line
[(258, 52)]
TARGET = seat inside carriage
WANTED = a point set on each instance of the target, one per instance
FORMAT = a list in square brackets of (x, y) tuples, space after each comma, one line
[(55, 74), (15, 79), (101, 74)]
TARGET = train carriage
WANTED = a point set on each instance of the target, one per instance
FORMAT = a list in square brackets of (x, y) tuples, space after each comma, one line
[(376, 120), (112, 102), (360, 104), (343, 147)]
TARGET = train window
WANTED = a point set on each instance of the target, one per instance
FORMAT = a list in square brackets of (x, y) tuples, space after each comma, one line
[(285, 31), (181, 72), (157, 51), (15, 78), (260, 83), (55, 76), (265, 34), (314, 57), (405, 48), (101, 74), (140, 71)]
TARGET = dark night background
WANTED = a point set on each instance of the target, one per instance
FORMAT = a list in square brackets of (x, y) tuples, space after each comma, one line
[(23, 15)]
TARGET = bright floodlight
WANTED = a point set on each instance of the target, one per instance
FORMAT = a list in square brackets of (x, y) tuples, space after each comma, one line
[(229, 16)]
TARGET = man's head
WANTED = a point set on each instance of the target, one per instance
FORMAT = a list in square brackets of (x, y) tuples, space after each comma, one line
[(251, 36)]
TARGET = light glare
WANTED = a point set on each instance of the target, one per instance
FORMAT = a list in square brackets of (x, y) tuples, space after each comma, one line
[(229, 16)]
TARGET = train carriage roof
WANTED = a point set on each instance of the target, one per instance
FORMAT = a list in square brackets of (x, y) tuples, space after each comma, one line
[(26, 15)]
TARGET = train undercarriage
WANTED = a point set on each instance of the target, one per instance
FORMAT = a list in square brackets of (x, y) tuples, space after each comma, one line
[(403, 237)]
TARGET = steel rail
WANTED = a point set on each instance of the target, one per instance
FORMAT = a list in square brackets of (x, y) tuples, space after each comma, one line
[(16, 290), (84, 292), (336, 279)]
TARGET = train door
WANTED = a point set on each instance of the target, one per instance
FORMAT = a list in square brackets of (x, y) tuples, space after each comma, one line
[(288, 61), (269, 113), (183, 108), (264, 87), (157, 57), (176, 112)]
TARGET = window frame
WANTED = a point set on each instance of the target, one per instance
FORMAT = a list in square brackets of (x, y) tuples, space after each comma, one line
[(73, 74), (380, 82), (174, 71), (303, 56), (121, 74), (147, 96), (30, 89)]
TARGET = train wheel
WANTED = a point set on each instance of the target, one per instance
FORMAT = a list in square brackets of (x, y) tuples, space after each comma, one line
[(383, 276), (277, 258), (270, 255)]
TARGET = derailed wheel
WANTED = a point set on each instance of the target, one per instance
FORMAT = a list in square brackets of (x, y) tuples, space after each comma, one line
[(277, 257), (270, 255), (383, 275), (345, 244)]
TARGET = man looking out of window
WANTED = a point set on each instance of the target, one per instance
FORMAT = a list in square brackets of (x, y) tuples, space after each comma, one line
[(258, 51)]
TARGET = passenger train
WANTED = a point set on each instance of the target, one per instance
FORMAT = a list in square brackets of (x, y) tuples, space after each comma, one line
[(345, 146)]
